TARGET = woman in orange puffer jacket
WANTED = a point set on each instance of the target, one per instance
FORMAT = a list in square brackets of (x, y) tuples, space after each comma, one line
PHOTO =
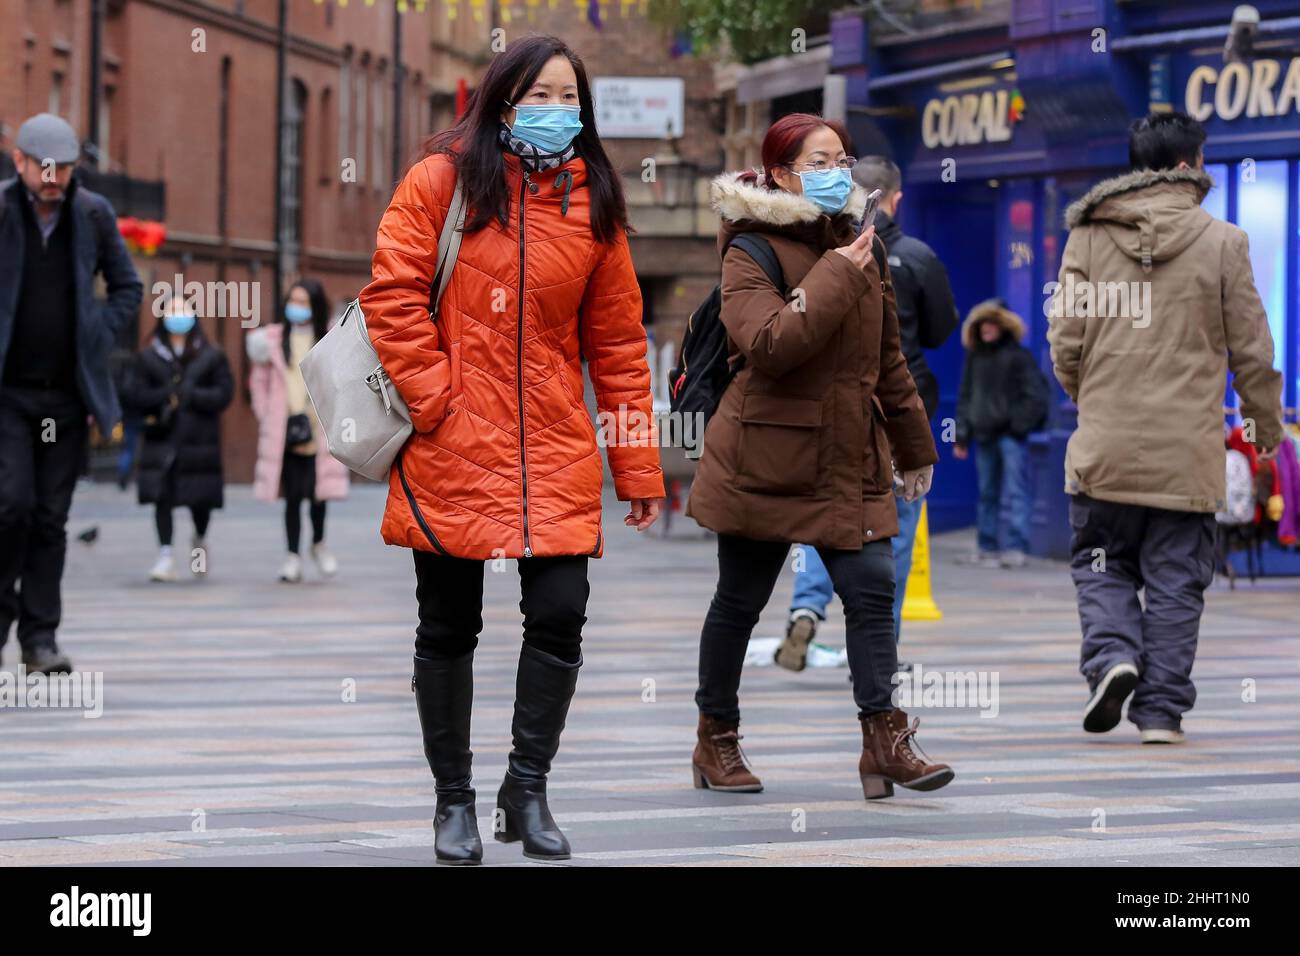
[(504, 460)]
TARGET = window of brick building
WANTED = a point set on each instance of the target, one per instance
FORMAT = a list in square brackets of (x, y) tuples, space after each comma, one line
[(291, 198), (325, 148), (360, 131), (379, 129), (56, 101), (345, 107)]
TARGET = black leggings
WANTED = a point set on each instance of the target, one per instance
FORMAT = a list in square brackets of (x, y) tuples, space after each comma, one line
[(554, 595), (162, 519), (293, 521), (747, 573)]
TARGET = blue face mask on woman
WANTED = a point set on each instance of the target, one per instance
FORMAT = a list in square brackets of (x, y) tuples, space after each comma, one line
[(179, 323), (828, 189), (551, 128), (297, 313)]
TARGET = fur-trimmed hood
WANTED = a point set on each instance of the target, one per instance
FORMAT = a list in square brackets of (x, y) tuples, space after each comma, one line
[(994, 310), (746, 206), (1150, 214)]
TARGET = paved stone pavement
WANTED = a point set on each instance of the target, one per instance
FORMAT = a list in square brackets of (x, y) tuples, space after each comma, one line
[(226, 737)]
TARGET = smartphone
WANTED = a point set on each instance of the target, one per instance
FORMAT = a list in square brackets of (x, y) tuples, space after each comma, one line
[(869, 213)]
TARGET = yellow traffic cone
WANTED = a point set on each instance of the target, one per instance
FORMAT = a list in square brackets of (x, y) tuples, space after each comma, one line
[(918, 602)]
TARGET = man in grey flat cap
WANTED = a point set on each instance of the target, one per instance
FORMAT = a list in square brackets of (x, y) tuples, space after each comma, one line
[(55, 236)]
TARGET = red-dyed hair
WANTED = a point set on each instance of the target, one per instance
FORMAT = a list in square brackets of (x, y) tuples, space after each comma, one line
[(784, 140)]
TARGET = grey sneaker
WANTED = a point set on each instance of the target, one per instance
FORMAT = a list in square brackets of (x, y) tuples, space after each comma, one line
[(1012, 559), (980, 559), (792, 654), (1162, 735)]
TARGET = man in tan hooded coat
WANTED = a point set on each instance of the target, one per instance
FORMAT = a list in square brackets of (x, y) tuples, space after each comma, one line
[(1155, 304)]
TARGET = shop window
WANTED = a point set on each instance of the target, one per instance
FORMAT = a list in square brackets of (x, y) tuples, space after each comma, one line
[(1216, 203), (1262, 212)]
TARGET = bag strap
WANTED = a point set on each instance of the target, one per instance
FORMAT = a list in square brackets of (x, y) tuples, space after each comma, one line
[(760, 250), (448, 247), (878, 253)]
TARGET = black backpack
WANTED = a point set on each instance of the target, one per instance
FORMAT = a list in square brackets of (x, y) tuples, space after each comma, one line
[(703, 372)]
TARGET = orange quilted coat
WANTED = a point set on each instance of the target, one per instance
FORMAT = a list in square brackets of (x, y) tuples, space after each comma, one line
[(504, 460)]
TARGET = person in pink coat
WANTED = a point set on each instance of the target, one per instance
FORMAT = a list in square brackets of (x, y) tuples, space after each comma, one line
[(293, 461)]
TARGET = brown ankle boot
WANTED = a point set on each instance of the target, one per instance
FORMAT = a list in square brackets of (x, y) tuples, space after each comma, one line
[(718, 762), (888, 757)]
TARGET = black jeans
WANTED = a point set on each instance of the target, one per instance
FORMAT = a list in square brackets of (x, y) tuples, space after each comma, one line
[(747, 572), (554, 595), (299, 483), (162, 519), (42, 444)]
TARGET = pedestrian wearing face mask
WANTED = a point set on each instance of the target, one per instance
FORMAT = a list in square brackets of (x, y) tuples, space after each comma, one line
[(179, 385), (293, 460), (805, 442), (504, 461)]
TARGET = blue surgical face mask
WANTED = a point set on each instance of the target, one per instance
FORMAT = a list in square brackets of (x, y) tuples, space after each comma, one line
[(549, 127), (828, 189), (297, 313), (179, 323)]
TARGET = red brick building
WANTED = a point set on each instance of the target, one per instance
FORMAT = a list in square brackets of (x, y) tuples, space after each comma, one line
[(188, 101)]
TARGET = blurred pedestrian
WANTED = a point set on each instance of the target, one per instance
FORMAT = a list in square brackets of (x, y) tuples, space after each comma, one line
[(56, 236), (927, 315), (293, 460), (1145, 469), (1003, 397), (179, 385), (504, 462), (800, 446)]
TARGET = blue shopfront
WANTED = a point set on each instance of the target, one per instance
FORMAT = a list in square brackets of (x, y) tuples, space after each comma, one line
[(998, 129)]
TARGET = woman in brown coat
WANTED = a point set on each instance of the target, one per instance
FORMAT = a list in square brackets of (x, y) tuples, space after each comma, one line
[(800, 447)]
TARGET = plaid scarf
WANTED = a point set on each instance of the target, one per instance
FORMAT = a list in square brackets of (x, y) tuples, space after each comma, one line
[(529, 155)]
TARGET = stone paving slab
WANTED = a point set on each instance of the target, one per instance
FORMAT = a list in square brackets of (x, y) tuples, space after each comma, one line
[(246, 722)]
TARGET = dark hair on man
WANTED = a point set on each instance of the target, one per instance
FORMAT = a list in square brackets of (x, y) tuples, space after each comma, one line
[(878, 172), (1163, 140)]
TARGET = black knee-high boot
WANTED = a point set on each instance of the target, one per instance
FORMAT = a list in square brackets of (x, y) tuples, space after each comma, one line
[(543, 688), (444, 694)]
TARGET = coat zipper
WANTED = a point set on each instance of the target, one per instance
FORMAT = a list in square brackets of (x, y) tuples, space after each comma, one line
[(519, 365), (415, 510)]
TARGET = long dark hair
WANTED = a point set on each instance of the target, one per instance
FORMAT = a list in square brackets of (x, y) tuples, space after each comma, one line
[(320, 311), (473, 145)]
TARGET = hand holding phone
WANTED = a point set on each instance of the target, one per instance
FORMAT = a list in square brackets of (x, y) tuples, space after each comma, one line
[(869, 213)]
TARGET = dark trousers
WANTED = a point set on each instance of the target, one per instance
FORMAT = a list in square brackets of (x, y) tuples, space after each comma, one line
[(42, 443), (554, 595), (293, 522), (1119, 550), (299, 484), (162, 519), (747, 573)]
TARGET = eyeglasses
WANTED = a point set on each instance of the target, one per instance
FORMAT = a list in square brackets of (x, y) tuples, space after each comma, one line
[(821, 165)]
